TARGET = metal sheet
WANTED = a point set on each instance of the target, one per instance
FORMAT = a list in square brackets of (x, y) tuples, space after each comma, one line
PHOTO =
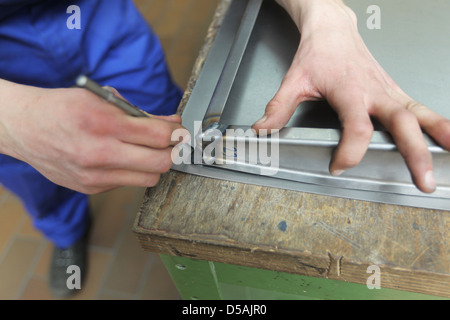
[(232, 64), (313, 132)]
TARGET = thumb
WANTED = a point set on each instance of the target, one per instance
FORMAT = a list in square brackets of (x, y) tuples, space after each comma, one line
[(281, 108)]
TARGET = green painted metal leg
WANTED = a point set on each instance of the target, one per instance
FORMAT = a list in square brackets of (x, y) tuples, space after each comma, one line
[(204, 280)]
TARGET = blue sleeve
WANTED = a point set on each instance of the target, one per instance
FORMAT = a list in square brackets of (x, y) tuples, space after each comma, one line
[(13, 3), (9, 6), (114, 46)]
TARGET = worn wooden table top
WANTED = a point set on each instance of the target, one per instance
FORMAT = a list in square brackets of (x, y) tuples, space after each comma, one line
[(288, 231)]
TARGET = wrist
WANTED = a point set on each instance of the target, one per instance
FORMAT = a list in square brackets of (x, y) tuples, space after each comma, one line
[(4, 136), (13, 98), (310, 15)]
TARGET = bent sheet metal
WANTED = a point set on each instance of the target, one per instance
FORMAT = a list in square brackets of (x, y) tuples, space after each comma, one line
[(252, 52)]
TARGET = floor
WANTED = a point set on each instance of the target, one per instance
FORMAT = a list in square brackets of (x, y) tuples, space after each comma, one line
[(119, 268)]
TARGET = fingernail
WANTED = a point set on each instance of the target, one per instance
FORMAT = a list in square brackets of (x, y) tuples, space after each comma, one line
[(261, 121), (110, 89), (430, 183), (337, 173)]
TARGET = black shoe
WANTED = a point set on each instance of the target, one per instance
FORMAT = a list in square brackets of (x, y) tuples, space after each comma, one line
[(68, 268)]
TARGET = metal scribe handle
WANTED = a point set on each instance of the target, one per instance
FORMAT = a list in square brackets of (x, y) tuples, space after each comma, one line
[(132, 110)]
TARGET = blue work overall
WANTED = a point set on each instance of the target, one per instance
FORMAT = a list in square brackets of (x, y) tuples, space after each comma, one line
[(41, 45)]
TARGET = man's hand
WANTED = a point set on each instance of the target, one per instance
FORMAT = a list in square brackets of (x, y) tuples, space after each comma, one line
[(333, 63), (81, 142)]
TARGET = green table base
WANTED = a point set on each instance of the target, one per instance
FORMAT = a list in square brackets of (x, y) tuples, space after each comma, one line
[(205, 280)]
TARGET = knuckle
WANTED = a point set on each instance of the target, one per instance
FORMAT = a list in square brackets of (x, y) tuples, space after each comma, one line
[(92, 156), (414, 106), (97, 123), (163, 135), (91, 181), (402, 115), (180, 136), (86, 179), (86, 159), (87, 122), (274, 104), (363, 131), (83, 159)]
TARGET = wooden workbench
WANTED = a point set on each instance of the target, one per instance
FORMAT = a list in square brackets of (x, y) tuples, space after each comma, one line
[(288, 232)]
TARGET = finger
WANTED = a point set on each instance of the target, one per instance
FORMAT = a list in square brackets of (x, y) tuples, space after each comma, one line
[(133, 178), (281, 108), (143, 159), (150, 132), (114, 91), (357, 131), (117, 94), (123, 165), (105, 180), (433, 123), (407, 134), (172, 118)]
